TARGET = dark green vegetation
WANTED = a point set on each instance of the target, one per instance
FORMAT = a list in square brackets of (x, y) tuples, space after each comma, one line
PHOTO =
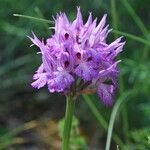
[(23, 108)]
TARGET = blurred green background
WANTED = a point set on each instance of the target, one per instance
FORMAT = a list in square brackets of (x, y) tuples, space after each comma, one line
[(29, 119)]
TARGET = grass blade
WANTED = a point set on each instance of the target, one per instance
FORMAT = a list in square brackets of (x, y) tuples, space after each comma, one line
[(100, 119), (135, 17), (113, 117), (114, 14), (115, 18), (133, 37), (33, 18)]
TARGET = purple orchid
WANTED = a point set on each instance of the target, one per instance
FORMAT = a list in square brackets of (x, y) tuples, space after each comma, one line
[(77, 57)]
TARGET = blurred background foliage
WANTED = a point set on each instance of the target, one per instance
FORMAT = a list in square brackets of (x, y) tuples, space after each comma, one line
[(29, 119)]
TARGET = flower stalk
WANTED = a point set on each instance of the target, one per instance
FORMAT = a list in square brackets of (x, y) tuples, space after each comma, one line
[(70, 106)]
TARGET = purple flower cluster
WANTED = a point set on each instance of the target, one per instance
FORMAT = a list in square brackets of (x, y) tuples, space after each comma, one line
[(77, 57)]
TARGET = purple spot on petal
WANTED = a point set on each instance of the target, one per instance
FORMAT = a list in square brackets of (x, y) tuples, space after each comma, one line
[(78, 40), (66, 64), (89, 59), (78, 55), (66, 36)]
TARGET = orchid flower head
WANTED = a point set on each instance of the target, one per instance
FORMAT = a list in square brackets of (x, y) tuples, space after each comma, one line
[(77, 57)]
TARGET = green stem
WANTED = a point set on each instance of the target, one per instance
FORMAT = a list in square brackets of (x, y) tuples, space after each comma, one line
[(135, 17), (70, 106)]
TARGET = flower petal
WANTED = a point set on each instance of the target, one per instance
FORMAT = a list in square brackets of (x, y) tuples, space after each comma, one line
[(105, 92), (86, 71), (40, 82), (61, 81)]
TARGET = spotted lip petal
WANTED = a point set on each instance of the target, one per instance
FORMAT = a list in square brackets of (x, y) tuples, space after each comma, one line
[(105, 92), (78, 51), (40, 81), (61, 81)]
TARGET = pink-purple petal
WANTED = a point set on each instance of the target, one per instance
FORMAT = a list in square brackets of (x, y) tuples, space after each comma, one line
[(105, 92)]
